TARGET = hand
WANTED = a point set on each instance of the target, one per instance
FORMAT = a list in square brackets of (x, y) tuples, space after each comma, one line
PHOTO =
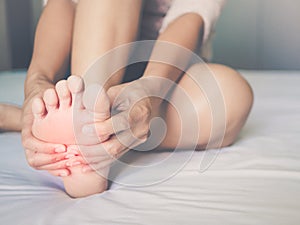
[(127, 128), (41, 155)]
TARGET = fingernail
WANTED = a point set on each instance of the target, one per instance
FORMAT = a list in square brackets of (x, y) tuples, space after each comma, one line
[(60, 149), (68, 156), (88, 129)]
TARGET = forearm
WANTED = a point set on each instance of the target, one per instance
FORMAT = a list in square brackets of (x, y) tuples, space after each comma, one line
[(186, 33), (101, 26), (52, 45)]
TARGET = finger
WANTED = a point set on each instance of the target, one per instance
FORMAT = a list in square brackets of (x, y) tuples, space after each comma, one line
[(31, 143), (75, 161), (113, 125), (59, 173), (114, 91), (104, 163), (96, 100), (91, 151), (54, 166), (40, 159), (86, 160), (109, 148)]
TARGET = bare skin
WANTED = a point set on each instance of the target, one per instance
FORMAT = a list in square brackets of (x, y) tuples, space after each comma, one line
[(59, 117), (231, 85), (48, 64), (45, 102), (44, 71), (10, 118)]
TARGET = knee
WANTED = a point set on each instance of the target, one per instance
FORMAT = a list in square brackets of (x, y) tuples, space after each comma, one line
[(238, 99)]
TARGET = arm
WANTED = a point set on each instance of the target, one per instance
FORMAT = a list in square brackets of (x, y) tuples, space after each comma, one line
[(138, 108), (52, 44), (186, 32), (49, 60)]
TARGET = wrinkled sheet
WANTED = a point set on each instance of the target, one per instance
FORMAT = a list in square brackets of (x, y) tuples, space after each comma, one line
[(254, 181)]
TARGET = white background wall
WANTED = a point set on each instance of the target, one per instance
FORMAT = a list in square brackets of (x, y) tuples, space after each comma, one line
[(5, 43), (251, 34), (259, 34)]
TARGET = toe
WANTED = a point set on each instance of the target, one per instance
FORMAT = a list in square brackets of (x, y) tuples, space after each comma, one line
[(50, 99), (76, 87), (63, 93), (96, 100), (38, 108), (75, 84)]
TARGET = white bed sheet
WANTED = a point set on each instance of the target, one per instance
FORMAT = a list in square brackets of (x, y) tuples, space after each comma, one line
[(255, 181)]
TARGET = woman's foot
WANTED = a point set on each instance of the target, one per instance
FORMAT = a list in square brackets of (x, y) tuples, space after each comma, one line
[(59, 118), (10, 118)]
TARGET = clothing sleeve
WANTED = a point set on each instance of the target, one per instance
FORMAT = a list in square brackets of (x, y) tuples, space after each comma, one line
[(209, 10)]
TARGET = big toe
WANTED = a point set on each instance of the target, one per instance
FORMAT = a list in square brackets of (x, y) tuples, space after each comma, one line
[(63, 93), (76, 87), (96, 100)]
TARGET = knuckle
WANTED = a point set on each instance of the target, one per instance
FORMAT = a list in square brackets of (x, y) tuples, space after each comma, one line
[(141, 113)]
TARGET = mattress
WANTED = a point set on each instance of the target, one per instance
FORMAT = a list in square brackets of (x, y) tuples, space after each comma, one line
[(255, 181)]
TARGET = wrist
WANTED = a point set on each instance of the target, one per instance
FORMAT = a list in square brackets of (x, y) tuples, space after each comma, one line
[(157, 89), (156, 86)]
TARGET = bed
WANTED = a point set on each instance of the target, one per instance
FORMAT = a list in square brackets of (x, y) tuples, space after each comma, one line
[(255, 181)]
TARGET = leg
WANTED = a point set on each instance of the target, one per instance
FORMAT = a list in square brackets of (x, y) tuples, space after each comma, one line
[(10, 118), (238, 98), (104, 29)]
